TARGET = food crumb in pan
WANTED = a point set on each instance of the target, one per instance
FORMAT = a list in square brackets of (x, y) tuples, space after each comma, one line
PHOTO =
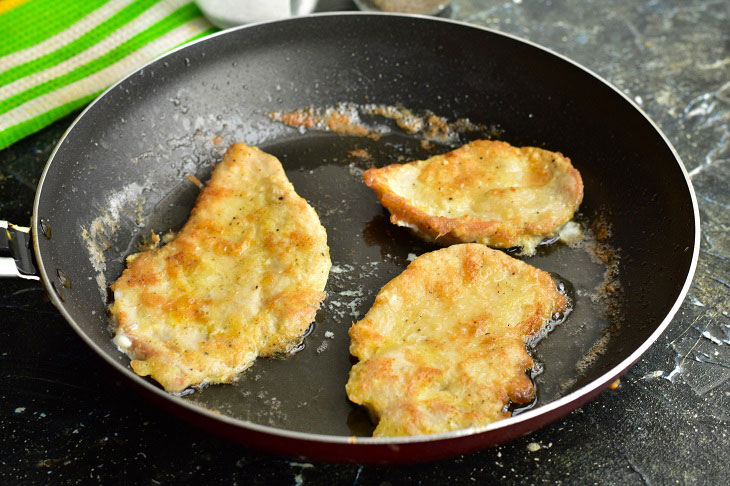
[(322, 347), (195, 180), (168, 236), (148, 243), (360, 154)]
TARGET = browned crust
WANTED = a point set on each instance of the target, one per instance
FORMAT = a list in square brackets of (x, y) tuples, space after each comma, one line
[(393, 388), (466, 229), (226, 348)]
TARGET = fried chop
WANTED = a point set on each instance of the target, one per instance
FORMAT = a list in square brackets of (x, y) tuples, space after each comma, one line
[(486, 192), (243, 278), (443, 346)]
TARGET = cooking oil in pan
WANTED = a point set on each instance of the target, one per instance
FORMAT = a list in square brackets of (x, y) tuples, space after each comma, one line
[(306, 390)]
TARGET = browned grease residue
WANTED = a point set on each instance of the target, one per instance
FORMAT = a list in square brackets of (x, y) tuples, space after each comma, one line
[(345, 118), (329, 119), (341, 123), (609, 293), (600, 249)]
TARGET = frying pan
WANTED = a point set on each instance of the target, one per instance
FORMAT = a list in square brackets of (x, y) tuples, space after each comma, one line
[(120, 172)]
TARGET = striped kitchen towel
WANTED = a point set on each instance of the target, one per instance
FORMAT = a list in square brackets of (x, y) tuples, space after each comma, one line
[(57, 55)]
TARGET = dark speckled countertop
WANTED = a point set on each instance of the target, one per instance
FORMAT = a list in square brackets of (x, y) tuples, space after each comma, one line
[(64, 418)]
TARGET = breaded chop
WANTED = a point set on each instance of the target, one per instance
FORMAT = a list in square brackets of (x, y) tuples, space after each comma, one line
[(244, 277), (486, 192), (443, 346)]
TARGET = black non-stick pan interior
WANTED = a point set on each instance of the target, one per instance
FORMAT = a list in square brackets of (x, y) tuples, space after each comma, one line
[(121, 173)]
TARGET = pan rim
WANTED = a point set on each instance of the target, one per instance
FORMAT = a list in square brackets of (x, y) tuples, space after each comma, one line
[(596, 385)]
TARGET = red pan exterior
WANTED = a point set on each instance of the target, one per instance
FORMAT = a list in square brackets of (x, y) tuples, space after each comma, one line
[(361, 452)]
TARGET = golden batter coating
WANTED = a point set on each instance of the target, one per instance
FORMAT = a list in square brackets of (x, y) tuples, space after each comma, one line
[(443, 346), (244, 277), (486, 192)]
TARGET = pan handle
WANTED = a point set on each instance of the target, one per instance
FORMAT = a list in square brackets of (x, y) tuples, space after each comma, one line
[(16, 257)]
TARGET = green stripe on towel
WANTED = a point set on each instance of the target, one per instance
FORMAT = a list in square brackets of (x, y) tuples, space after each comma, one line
[(87, 40), (37, 20), (58, 55), (177, 18), (23, 129)]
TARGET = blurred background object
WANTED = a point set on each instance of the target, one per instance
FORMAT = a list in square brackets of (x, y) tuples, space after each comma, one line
[(425, 7), (230, 13)]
